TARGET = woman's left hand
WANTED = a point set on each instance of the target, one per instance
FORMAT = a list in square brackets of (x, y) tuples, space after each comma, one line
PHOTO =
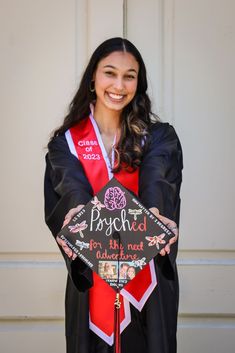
[(171, 225)]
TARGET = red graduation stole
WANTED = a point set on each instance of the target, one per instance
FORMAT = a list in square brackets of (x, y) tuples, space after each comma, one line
[(85, 143)]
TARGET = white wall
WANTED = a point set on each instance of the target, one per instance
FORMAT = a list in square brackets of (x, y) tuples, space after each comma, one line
[(188, 47)]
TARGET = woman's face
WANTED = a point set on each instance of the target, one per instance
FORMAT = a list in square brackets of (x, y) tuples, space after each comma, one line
[(116, 79), (131, 272)]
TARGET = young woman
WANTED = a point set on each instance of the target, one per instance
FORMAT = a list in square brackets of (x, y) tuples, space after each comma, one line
[(108, 271), (130, 272), (108, 133)]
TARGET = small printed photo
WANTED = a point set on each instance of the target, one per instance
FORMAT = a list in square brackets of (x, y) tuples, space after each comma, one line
[(127, 270), (108, 269)]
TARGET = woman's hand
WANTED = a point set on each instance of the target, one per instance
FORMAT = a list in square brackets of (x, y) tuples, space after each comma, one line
[(171, 225), (67, 219)]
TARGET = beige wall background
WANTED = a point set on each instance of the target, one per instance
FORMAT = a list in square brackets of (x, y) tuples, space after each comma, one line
[(189, 50)]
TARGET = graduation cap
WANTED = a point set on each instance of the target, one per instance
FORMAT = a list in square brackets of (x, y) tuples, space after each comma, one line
[(115, 235)]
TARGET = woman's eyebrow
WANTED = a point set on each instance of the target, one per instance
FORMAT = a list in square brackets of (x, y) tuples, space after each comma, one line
[(113, 67)]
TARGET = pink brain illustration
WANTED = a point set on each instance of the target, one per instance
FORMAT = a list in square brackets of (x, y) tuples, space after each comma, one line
[(114, 198)]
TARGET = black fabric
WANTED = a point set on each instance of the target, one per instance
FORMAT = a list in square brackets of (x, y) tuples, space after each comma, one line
[(66, 186)]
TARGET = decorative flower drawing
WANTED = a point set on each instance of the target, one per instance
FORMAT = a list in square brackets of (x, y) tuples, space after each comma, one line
[(156, 240), (139, 263), (97, 204), (78, 227)]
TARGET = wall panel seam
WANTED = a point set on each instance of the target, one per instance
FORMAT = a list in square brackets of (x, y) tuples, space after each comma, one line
[(60, 264), (124, 24), (206, 262)]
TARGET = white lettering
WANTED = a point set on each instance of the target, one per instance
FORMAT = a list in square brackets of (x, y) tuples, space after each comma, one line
[(84, 143), (112, 224)]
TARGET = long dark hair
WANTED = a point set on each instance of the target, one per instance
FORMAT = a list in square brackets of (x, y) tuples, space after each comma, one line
[(135, 117)]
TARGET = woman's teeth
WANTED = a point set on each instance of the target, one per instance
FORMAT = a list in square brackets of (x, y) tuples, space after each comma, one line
[(115, 96)]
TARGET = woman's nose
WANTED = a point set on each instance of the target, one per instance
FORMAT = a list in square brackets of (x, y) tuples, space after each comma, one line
[(118, 84)]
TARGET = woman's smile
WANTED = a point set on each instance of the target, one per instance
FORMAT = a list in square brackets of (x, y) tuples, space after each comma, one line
[(115, 97)]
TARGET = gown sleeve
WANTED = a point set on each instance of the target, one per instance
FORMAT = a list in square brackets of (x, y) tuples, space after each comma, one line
[(65, 187), (161, 174)]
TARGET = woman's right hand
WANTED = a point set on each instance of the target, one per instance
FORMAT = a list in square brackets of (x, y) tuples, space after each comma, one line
[(67, 219)]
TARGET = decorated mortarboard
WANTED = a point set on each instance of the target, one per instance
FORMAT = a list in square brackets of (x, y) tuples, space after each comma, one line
[(115, 235)]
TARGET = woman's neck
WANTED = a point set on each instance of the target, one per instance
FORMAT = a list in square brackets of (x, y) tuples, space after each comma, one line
[(108, 121)]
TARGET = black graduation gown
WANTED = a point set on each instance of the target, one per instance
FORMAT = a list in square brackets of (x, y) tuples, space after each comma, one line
[(154, 329)]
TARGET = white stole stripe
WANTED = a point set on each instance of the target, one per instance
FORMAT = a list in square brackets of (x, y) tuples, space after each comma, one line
[(110, 339), (139, 304), (70, 142)]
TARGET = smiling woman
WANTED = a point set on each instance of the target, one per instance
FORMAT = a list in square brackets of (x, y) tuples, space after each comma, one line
[(108, 133), (114, 78)]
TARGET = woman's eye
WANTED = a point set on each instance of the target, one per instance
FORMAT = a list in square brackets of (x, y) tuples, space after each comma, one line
[(130, 77), (109, 73)]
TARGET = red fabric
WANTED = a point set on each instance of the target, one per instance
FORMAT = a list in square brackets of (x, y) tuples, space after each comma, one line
[(138, 285), (84, 139), (101, 295), (101, 301)]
